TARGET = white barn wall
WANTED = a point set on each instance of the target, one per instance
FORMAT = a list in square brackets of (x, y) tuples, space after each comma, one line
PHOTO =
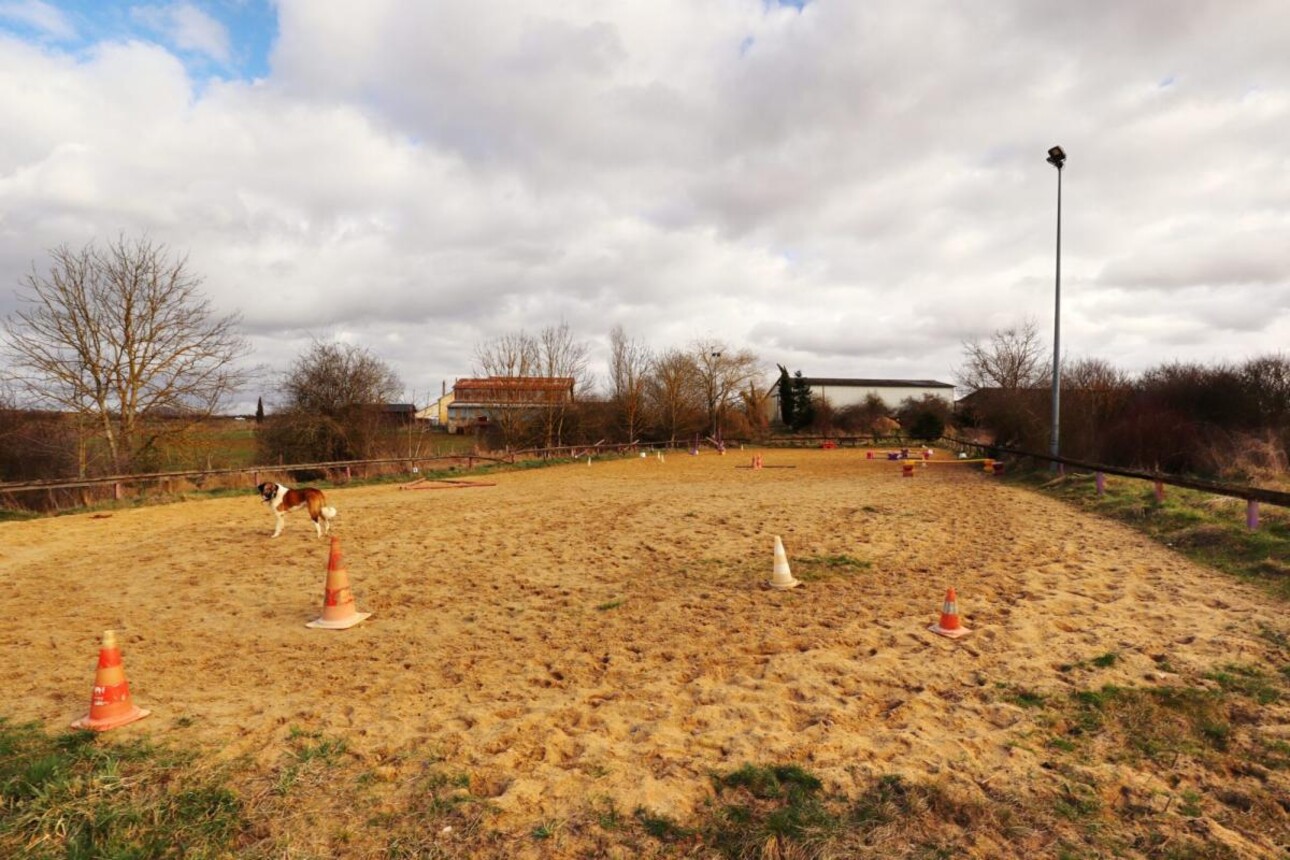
[(842, 393), (840, 396)]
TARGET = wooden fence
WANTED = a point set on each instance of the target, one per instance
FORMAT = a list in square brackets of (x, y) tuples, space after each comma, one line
[(81, 492), (1253, 496)]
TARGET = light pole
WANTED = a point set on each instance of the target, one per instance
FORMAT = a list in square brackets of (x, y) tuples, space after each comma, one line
[(1057, 158)]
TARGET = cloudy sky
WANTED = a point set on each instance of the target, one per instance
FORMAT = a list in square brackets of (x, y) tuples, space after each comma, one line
[(847, 188)]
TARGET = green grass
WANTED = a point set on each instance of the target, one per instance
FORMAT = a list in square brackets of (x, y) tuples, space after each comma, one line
[(81, 795), (813, 568), (1209, 529), (1105, 661)]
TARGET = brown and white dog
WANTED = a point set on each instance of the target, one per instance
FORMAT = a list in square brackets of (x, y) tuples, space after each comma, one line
[(282, 499)]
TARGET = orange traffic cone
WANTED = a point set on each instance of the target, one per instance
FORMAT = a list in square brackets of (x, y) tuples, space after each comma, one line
[(949, 623), (339, 612), (110, 702)]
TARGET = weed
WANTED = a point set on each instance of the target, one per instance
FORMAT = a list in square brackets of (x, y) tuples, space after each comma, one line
[(1026, 699), (1106, 661), (1188, 522), (1246, 680), (660, 826), (607, 815), (80, 795), (817, 567), (1189, 806), (612, 604), (1076, 802)]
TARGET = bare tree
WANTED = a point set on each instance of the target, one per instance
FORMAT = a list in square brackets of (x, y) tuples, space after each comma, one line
[(561, 357), (755, 403), (1012, 359), (629, 365), (722, 372), (1004, 375), (676, 394), (123, 338), (334, 398), (510, 355), (1094, 394)]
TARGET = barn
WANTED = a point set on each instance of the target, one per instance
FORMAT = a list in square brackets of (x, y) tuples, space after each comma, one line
[(478, 403), (841, 393)]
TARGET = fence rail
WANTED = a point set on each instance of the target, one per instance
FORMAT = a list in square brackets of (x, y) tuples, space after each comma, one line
[(1249, 494), (200, 475)]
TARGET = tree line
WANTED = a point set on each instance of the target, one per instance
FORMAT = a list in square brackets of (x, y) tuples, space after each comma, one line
[(115, 358), (1228, 419)]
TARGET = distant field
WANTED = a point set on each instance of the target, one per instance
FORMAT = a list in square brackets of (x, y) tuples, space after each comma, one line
[(583, 661)]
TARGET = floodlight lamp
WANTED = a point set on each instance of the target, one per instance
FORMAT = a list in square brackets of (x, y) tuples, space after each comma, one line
[(1056, 157)]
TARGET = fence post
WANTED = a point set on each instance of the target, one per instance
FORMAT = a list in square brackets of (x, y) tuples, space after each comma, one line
[(1100, 480), (1252, 514), (1160, 491), (348, 475), (116, 491)]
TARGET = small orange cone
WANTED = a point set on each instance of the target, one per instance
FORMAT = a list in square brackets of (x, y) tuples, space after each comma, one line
[(949, 623), (339, 612), (110, 702)]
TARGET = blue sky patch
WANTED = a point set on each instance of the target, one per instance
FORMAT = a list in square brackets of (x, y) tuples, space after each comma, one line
[(213, 38)]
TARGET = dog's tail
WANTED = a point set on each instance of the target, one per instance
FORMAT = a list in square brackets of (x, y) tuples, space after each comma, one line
[(328, 512)]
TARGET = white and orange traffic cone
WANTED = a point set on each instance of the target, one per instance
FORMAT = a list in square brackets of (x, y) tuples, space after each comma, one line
[(781, 577), (339, 612), (949, 624), (110, 702)]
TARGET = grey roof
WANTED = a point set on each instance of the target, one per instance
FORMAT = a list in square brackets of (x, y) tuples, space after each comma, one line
[(874, 383)]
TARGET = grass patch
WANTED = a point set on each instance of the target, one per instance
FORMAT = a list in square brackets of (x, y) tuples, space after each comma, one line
[(1247, 680), (311, 753), (660, 826), (777, 804), (813, 568), (612, 604), (79, 795), (1189, 521), (1025, 698)]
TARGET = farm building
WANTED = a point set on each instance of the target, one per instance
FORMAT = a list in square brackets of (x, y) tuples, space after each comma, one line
[(478, 402), (398, 413), (841, 393), (437, 411)]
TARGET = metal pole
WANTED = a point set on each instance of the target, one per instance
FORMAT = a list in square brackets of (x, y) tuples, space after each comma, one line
[(1055, 446)]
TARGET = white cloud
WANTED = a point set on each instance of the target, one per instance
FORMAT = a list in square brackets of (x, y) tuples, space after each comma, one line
[(48, 19), (187, 28), (852, 189)]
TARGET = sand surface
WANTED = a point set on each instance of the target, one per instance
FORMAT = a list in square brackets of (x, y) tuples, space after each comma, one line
[(605, 630)]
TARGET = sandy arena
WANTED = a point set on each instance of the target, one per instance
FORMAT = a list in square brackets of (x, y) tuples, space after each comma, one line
[(604, 630)]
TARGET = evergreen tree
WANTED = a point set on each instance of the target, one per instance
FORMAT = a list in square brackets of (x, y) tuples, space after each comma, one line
[(259, 410), (786, 402), (803, 408)]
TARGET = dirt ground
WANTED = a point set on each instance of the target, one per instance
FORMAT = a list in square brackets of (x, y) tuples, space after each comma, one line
[(604, 630)]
